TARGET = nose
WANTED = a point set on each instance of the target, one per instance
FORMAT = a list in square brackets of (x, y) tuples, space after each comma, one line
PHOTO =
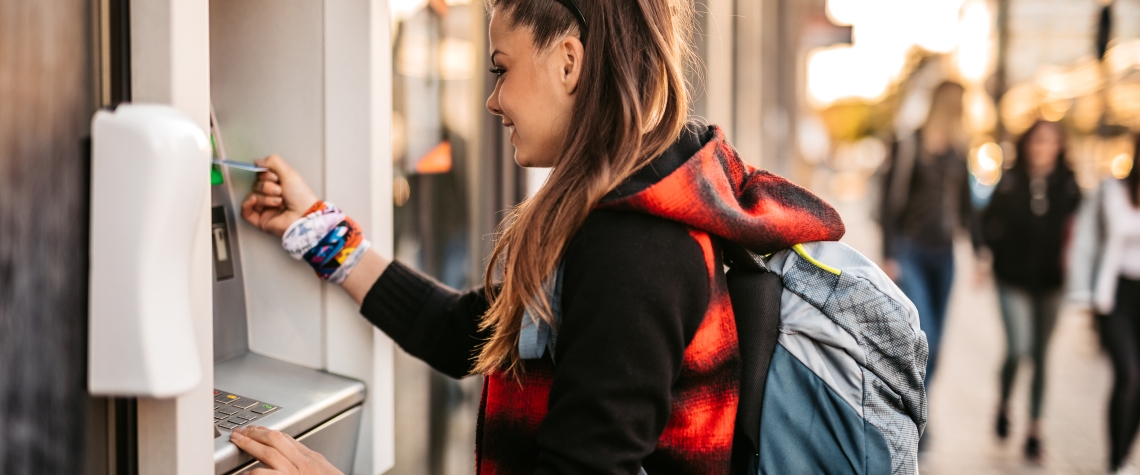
[(493, 101)]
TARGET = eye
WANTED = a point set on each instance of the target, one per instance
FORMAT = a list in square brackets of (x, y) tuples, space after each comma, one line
[(497, 71)]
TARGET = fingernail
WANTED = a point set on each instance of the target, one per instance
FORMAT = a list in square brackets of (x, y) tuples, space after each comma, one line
[(236, 434)]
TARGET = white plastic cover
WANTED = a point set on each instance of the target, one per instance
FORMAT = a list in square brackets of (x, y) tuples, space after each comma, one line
[(149, 175)]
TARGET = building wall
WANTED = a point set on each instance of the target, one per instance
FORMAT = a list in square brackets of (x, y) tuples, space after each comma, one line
[(46, 101)]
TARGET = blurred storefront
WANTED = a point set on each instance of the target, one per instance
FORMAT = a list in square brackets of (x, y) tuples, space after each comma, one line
[(1072, 62), (452, 177)]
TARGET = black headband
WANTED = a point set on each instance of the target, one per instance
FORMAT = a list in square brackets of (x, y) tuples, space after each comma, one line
[(573, 6)]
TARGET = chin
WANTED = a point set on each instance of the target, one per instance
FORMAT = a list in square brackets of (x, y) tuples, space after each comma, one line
[(527, 160), (524, 160)]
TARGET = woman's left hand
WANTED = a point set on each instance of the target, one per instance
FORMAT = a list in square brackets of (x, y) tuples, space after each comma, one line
[(281, 453)]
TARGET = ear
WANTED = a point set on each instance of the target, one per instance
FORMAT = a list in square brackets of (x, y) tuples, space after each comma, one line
[(570, 54)]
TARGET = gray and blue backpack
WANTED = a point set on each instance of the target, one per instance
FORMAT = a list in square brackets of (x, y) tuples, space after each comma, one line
[(833, 362)]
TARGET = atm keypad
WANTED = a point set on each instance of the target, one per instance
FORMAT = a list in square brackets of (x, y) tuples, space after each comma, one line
[(232, 411)]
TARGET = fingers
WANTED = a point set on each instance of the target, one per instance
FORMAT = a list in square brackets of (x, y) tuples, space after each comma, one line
[(248, 212), (268, 455), (266, 187), (257, 203), (264, 471), (278, 441), (270, 201), (275, 164)]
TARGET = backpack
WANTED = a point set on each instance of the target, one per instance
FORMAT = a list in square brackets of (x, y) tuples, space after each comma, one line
[(833, 362)]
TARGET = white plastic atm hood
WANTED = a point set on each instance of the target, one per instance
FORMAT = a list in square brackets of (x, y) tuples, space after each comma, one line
[(149, 173)]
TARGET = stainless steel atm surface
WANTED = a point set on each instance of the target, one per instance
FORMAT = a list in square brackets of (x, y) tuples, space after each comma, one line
[(319, 408)]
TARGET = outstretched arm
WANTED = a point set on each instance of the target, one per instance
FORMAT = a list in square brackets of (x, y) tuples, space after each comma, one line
[(279, 197), (426, 318)]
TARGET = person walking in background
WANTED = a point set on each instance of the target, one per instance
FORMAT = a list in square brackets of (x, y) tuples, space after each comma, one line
[(926, 198), (1025, 226), (1105, 275)]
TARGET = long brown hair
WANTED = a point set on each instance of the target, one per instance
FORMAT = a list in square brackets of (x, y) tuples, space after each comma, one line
[(945, 116), (631, 104)]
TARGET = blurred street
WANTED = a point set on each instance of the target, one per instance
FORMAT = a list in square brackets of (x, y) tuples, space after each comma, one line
[(965, 392)]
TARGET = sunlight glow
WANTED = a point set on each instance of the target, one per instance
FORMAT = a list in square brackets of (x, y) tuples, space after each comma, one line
[(884, 32)]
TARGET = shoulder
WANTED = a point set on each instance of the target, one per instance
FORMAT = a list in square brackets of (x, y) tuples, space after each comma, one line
[(1114, 196), (1110, 185), (626, 248), (630, 235)]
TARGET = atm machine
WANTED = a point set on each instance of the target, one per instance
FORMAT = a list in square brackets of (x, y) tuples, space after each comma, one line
[(291, 352), (320, 409), (310, 81)]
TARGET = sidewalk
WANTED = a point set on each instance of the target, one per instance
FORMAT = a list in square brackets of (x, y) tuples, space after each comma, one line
[(964, 396)]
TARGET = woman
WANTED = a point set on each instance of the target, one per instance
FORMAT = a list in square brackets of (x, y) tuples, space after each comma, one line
[(1105, 264), (926, 199), (604, 332), (1025, 226)]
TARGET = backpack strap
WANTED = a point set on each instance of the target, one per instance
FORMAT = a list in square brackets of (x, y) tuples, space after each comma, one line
[(755, 293)]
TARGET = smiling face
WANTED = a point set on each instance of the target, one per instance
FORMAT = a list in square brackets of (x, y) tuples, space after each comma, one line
[(534, 94)]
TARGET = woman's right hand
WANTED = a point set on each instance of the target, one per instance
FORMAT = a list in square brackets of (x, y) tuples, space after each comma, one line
[(279, 197)]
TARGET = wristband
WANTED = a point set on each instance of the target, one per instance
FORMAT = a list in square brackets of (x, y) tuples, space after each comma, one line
[(328, 240)]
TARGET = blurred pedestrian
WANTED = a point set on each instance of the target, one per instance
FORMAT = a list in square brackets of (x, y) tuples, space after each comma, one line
[(1105, 264), (926, 199), (1025, 226)]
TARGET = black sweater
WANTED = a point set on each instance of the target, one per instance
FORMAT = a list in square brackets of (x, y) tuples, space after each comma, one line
[(930, 204), (634, 293), (1026, 245)]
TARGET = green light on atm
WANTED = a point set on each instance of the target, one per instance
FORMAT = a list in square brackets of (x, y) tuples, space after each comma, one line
[(213, 145), (216, 175)]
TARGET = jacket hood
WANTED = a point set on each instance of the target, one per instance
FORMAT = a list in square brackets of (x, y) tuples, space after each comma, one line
[(701, 182)]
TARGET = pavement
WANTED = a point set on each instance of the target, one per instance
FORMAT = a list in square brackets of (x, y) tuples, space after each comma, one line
[(964, 394)]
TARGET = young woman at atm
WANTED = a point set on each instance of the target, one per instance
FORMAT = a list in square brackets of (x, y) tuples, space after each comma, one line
[(604, 330)]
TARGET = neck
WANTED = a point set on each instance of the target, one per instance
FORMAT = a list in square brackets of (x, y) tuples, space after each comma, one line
[(935, 142), (1041, 171)]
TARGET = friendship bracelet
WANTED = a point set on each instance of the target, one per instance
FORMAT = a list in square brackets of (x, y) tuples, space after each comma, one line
[(328, 240)]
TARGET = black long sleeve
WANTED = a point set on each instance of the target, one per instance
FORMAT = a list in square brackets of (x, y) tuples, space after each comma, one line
[(969, 216), (635, 290), (888, 211), (427, 319)]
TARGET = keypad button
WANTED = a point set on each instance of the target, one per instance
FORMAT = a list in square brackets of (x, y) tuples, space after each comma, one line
[(236, 420), (226, 425), (220, 415), (228, 411), (247, 416), (244, 403), (226, 398), (263, 408)]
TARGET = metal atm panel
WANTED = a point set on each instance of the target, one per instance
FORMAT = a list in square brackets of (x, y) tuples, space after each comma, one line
[(321, 408)]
